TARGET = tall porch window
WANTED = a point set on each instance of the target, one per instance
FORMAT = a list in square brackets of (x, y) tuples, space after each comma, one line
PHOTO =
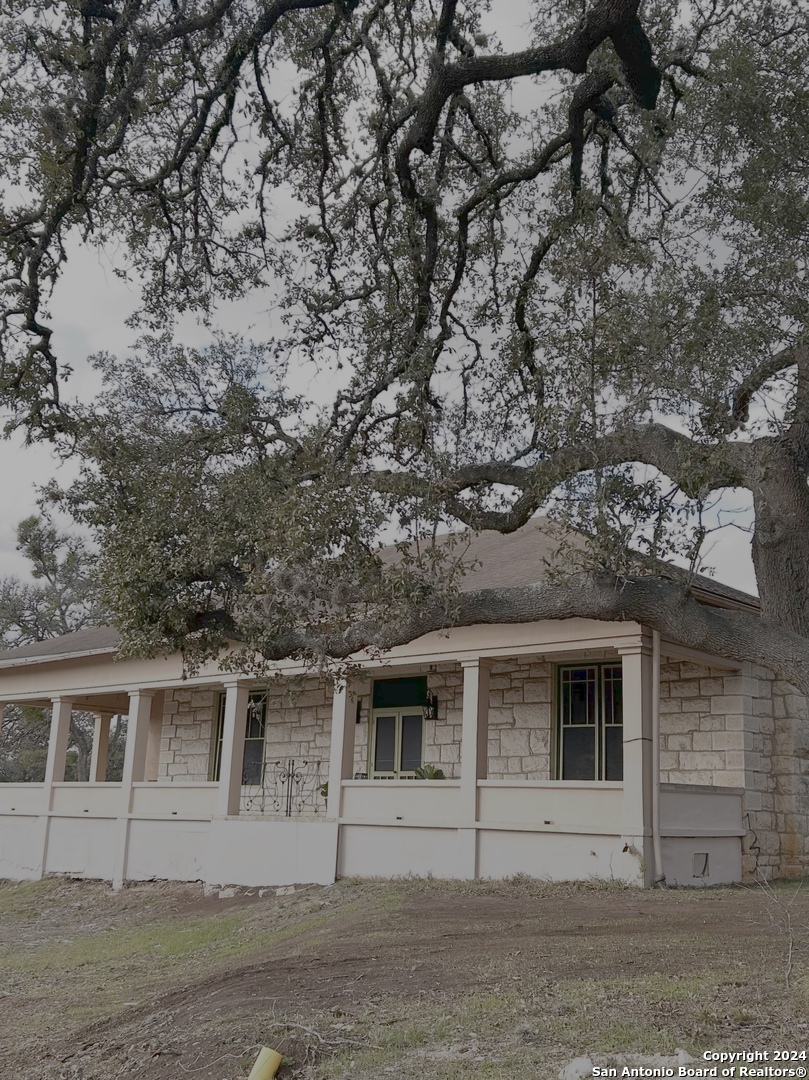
[(254, 739), (396, 745), (590, 728)]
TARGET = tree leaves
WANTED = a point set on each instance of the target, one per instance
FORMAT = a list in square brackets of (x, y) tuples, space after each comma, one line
[(565, 277)]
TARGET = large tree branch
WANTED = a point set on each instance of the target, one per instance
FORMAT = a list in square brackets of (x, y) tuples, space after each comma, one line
[(698, 468), (768, 369), (614, 19), (656, 603), (120, 50)]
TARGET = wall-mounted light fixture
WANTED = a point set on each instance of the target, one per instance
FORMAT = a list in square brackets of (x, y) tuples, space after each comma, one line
[(430, 707)]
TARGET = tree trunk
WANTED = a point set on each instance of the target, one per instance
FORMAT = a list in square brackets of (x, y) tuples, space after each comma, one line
[(780, 537), (83, 741)]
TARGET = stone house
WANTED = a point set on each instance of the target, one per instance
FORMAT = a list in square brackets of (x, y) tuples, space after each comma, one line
[(563, 750)]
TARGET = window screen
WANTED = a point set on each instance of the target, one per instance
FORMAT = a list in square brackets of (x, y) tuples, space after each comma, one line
[(385, 752), (412, 727)]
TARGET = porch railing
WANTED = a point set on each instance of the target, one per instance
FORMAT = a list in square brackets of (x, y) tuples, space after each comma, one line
[(292, 787)]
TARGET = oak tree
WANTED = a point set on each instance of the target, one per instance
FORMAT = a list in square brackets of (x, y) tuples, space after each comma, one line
[(565, 276)]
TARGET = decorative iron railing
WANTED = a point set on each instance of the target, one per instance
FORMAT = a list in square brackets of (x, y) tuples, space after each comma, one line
[(289, 788)]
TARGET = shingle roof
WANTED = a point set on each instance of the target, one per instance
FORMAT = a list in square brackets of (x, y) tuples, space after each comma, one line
[(96, 639), (501, 561), (526, 556)]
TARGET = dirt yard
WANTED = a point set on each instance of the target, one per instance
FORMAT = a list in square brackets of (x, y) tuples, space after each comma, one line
[(405, 978)]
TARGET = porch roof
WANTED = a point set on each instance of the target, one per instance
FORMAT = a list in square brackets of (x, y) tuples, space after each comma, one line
[(94, 641)]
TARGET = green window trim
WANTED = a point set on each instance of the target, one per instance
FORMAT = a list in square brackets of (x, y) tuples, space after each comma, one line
[(408, 692), (397, 727)]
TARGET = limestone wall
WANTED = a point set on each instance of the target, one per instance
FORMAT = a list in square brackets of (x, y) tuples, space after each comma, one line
[(299, 721), (185, 746), (298, 726), (520, 696), (717, 727), (520, 720), (743, 729), (704, 738), (702, 725)]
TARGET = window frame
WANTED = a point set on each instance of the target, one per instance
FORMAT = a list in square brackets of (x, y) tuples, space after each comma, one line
[(602, 724), (396, 773), (217, 732)]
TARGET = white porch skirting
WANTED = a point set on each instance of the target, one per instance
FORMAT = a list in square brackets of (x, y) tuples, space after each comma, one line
[(230, 851), (554, 831)]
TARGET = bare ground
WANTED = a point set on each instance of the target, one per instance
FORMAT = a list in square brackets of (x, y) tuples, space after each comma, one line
[(397, 978)]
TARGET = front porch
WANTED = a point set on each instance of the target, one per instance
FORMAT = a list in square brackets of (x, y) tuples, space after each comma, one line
[(183, 811)]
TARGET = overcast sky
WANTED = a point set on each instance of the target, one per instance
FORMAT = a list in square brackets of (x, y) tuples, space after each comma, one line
[(89, 313)]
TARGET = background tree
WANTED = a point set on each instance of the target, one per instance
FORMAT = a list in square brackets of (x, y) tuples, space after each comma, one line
[(570, 277), (23, 745), (61, 598)]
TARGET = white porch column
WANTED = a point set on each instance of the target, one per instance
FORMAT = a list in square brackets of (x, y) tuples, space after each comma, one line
[(61, 712), (637, 718), (234, 727), (101, 745), (137, 733), (474, 734), (474, 755), (137, 736), (154, 736), (341, 753)]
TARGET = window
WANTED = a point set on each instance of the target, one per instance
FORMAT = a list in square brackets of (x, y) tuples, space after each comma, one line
[(397, 728), (254, 735), (590, 733), (253, 761)]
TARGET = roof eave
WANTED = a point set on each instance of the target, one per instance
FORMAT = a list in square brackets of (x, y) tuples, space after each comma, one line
[(57, 658), (712, 599)]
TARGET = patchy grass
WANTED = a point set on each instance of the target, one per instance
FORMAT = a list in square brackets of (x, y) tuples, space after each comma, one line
[(364, 980), (121, 955), (19, 901), (113, 947)]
